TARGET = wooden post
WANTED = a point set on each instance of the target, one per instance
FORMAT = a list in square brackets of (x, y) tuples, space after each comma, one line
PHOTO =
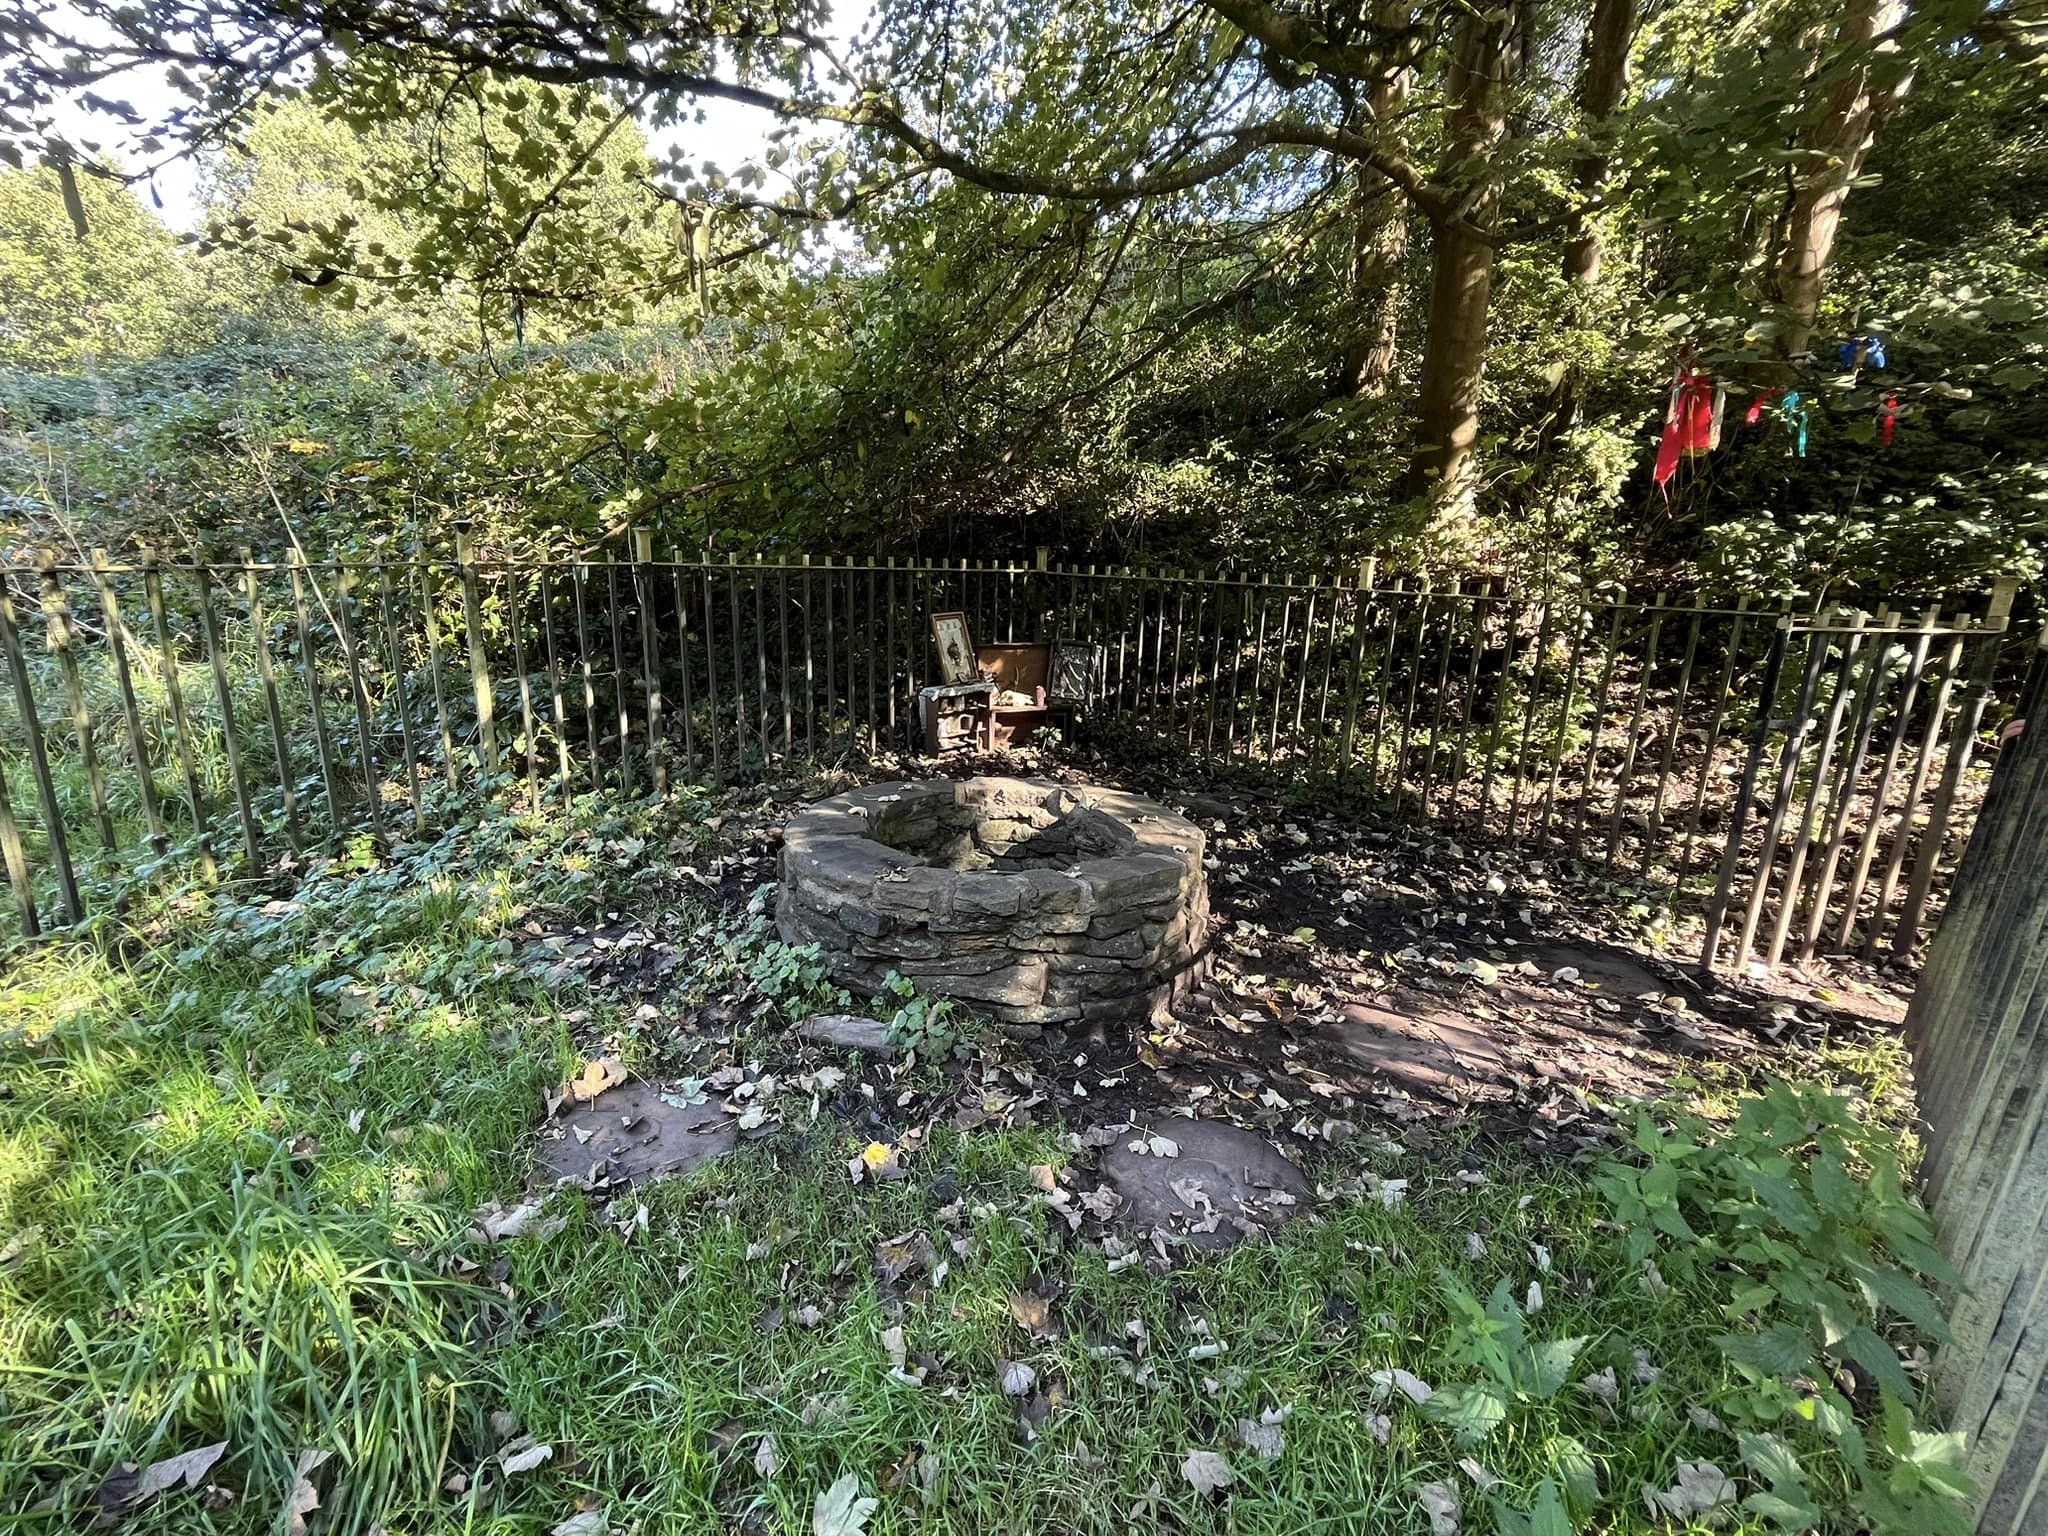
[(1511, 616), (619, 700), (1180, 694), (1837, 825), (1201, 686), (782, 679), (39, 765), (1382, 691), (1467, 706), (1239, 634), (764, 721), (874, 720), (57, 626), (1279, 672), (559, 718), (280, 743), (230, 734), (1362, 603), (16, 857), (1530, 707), (1600, 698), (1923, 765), (1798, 727), (734, 622), (578, 591), (359, 700), (1635, 725), (688, 707), (889, 668), (1961, 745), (479, 656), (309, 664), (1670, 749), (1453, 602), (1902, 720), (831, 654), (1802, 839), (711, 670), (430, 622), (650, 659), (395, 655), (810, 679), (131, 710), (1978, 1027), (1704, 783), (1581, 627), (529, 725), (1745, 795), (1423, 610)]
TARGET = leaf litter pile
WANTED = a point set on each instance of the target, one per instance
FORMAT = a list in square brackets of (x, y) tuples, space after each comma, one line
[(1245, 1268)]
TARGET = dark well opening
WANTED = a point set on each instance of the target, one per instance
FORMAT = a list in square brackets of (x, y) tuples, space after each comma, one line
[(1007, 838)]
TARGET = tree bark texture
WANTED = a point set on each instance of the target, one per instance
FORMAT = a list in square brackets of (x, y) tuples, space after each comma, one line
[(1602, 83), (1381, 248), (1442, 466), (1978, 1028), (1861, 94)]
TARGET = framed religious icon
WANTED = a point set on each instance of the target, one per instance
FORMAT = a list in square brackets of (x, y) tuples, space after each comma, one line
[(956, 650)]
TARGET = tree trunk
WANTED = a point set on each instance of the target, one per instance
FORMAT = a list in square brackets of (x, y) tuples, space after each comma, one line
[(1376, 289), (1441, 464), (1603, 79), (1836, 147), (1602, 82), (1381, 247)]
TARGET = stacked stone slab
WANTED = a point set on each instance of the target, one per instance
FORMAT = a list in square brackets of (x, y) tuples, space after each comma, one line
[(1037, 903)]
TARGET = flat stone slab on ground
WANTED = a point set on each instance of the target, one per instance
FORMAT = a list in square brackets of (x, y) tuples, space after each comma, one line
[(1225, 1179), (850, 1031), (631, 1133), (1417, 1044)]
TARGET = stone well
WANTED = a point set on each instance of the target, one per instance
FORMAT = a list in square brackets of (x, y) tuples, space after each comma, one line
[(1038, 903)]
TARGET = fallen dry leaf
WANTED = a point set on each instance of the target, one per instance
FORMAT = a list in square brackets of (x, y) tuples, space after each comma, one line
[(1015, 1376), (1411, 1386), (129, 1489), (523, 1454), (841, 1511), (304, 1497), (767, 1459), (1441, 1504), (1265, 1439), (1700, 1493), (497, 1224), (599, 1073), (1033, 1314), (1207, 1471)]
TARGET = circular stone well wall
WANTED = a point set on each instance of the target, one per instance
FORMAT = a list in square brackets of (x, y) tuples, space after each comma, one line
[(1038, 903)]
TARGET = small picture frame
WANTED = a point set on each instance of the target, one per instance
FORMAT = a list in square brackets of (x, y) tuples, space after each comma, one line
[(956, 649)]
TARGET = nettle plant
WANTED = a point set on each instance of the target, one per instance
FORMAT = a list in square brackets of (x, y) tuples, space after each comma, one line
[(1515, 1373), (1795, 1220)]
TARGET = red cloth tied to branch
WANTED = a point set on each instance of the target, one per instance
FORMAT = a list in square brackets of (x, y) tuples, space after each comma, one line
[(1689, 423)]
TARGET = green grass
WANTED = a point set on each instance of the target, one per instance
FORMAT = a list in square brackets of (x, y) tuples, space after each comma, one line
[(240, 1146)]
